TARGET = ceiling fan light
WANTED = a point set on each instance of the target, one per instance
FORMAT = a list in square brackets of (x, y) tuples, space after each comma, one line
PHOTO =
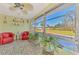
[(17, 4)]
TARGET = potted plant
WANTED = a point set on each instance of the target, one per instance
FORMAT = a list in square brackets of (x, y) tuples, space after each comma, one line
[(49, 45), (34, 37)]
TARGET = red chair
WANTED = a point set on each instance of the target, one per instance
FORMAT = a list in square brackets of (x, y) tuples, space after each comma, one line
[(6, 37), (25, 35)]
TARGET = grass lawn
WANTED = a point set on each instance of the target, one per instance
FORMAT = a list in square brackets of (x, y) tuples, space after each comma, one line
[(63, 32)]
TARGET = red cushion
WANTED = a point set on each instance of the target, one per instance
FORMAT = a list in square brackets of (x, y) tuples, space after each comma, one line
[(25, 35), (7, 34), (7, 40), (6, 37)]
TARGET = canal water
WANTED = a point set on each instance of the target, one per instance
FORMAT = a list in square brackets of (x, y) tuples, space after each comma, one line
[(68, 45)]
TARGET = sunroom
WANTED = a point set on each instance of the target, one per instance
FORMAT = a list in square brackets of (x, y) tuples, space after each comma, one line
[(39, 29)]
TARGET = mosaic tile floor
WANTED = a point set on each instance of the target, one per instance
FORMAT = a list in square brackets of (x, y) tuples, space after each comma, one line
[(20, 47)]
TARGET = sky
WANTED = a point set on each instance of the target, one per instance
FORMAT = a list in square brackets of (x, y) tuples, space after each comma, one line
[(53, 22)]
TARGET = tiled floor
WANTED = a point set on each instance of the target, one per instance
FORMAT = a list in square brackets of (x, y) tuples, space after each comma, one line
[(25, 47), (20, 47)]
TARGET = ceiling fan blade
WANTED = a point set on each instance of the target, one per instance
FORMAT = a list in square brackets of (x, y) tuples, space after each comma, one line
[(12, 7), (27, 7)]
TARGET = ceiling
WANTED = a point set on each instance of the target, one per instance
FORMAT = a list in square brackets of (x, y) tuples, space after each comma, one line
[(38, 8)]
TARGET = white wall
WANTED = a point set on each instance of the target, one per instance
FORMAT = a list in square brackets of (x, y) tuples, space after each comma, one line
[(10, 27)]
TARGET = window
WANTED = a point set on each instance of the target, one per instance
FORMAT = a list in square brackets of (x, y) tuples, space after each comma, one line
[(61, 22)]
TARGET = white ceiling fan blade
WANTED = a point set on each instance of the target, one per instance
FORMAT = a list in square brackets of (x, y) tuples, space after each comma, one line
[(27, 7)]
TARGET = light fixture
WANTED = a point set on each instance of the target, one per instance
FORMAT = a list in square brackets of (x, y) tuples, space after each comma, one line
[(24, 7)]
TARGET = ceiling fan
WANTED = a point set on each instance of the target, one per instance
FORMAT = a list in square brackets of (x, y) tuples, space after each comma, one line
[(24, 7)]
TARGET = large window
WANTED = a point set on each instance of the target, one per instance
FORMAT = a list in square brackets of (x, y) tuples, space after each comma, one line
[(62, 25), (61, 22)]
